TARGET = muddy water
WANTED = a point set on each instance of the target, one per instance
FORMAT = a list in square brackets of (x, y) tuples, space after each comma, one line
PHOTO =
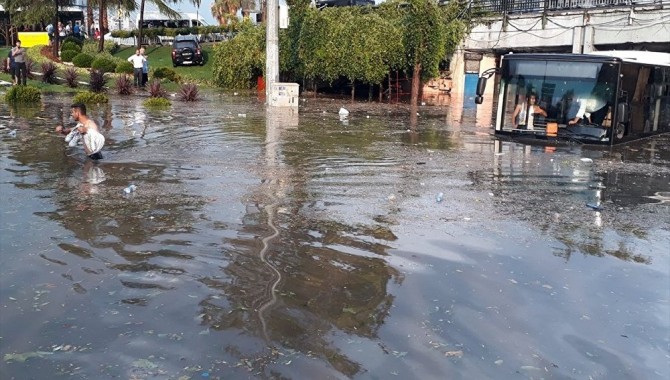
[(272, 245)]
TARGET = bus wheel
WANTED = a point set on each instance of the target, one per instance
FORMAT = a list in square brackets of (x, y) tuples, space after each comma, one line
[(619, 131)]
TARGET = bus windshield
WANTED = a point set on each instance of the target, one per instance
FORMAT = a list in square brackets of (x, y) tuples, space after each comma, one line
[(565, 92)]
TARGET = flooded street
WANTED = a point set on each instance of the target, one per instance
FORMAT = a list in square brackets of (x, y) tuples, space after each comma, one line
[(277, 245)]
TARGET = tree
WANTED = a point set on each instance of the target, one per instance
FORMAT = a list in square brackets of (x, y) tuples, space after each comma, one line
[(103, 24), (224, 10), (27, 12), (425, 47), (163, 8)]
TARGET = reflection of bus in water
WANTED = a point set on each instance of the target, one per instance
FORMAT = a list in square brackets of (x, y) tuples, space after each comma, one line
[(599, 98)]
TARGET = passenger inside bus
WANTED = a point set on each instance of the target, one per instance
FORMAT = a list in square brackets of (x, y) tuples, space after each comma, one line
[(526, 111)]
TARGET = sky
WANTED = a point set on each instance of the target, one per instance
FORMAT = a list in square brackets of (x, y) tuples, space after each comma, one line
[(205, 9)]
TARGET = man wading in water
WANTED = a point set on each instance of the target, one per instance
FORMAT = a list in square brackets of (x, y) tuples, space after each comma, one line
[(86, 130)]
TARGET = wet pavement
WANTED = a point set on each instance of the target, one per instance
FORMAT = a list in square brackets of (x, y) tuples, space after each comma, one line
[(276, 245)]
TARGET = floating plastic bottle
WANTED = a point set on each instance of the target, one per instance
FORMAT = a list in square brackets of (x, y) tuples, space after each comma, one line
[(439, 197), (129, 189), (12, 133)]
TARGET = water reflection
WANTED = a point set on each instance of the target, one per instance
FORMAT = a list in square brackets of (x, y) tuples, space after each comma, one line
[(575, 200), (282, 245), (290, 278)]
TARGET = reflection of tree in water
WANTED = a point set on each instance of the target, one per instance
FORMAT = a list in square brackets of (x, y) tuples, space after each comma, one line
[(322, 288), (330, 276)]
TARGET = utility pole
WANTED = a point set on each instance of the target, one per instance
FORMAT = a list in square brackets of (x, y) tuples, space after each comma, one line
[(271, 48)]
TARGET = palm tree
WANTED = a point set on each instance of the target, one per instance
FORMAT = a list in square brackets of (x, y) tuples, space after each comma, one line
[(103, 24), (163, 8), (89, 17), (247, 6), (223, 10)]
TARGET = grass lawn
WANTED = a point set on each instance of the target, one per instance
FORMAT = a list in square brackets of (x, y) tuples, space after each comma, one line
[(161, 56)]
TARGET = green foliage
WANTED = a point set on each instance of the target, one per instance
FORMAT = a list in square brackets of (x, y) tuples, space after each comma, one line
[(34, 53), (358, 43), (124, 67), (91, 47), (28, 12), (349, 42), (82, 60), (123, 33), (238, 61), (157, 103), (104, 64), (68, 55), (167, 73), (425, 35), (89, 97), (77, 41), (23, 94), (69, 45)]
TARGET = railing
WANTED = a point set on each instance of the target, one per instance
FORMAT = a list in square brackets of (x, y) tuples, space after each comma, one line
[(520, 6)]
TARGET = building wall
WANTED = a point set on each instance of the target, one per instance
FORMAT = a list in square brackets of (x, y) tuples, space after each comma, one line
[(576, 31)]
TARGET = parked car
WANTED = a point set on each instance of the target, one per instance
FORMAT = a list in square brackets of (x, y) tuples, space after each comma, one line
[(186, 51)]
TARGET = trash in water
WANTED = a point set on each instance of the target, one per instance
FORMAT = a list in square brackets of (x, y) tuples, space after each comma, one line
[(241, 115), (586, 160), (343, 112), (439, 197), (594, 206), (130, 189), (12, 133)]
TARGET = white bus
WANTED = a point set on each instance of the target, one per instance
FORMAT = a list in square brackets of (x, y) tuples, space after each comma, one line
[(158, 20)]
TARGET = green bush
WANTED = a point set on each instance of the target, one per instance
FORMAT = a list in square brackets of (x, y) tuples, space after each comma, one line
[(82, 60), (237, 62), (166, 73), (77, 41), (67, 55), (35, 54), (91, 47), (124, 67), (104, 64), (89, 97), (123, 33), (23, 94), (69, 45), (157, 103)]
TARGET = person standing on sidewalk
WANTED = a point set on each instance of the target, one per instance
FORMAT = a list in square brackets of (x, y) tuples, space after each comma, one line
[(145, 68), (19, 55), (10, 67), (137, 60)]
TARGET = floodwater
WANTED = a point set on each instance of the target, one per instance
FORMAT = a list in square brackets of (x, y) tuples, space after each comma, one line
[(278, 245)]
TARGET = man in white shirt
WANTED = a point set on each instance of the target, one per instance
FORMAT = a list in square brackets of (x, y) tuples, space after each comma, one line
[(137, 60)]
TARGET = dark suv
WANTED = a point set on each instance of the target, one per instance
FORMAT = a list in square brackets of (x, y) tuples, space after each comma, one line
[(186, 50)]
